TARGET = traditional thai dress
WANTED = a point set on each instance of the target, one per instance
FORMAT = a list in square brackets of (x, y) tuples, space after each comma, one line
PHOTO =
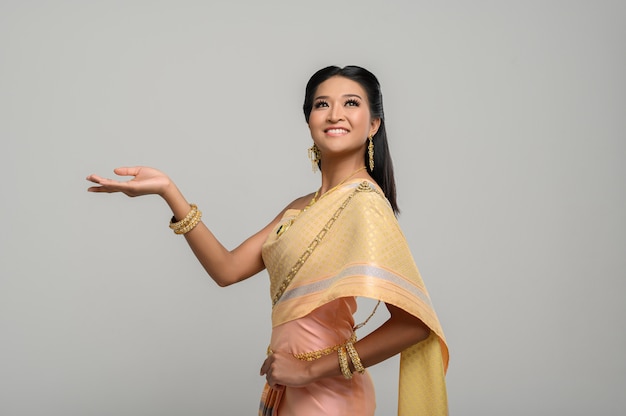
[(347, 244)]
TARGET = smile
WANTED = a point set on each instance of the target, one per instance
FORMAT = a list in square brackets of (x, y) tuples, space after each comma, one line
[(336, 131)]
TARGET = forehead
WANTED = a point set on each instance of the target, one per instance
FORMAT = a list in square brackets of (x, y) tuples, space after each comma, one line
[(338, 86)]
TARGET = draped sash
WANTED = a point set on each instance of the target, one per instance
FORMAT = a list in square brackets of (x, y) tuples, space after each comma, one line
[(357, 249)]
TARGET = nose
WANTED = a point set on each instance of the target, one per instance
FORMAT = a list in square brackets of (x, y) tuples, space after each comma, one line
[(335, 114)]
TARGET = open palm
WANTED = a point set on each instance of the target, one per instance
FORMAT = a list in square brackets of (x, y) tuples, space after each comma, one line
[(145, 181)]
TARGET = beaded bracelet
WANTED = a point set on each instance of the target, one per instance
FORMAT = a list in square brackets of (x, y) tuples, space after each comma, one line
[(354, 357), (188, 223), (178, 224), (343, 363), (192, 224)]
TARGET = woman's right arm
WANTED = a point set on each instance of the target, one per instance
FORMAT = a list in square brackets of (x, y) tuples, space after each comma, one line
[(224, 266)]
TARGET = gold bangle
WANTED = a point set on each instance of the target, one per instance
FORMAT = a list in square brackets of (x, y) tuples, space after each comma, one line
[(354, 357), (182, 223), (188, 223), (343, 363), (191, 225)]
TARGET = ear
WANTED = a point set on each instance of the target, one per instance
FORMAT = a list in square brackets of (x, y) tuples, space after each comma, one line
[(374, 126)]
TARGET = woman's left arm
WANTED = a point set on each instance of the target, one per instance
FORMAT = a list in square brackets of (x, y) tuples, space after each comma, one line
[(399, 332)]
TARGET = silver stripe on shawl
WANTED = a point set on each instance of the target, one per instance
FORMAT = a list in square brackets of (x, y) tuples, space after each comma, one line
[(356, 270)]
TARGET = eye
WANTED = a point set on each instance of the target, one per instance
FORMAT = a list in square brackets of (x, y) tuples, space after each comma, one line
[(352, 102), (320, 104)]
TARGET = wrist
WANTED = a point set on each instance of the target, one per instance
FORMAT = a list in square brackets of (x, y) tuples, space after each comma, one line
[(313, 371), (169, 190), (175, 199), (323, 367)]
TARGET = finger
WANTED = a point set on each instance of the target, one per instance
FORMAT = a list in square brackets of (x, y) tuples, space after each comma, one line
[(105, 182), (265, 366), (106, 185), (127, 171), (94, 178), (270, 380), (97, 189)]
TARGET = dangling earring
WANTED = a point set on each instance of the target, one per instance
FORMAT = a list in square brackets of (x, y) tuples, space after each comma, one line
[(370, 152), (314, 155)]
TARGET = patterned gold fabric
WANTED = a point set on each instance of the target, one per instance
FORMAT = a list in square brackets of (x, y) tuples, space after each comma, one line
[(363, 253)]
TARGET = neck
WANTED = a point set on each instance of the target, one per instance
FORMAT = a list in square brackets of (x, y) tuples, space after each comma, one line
[(335, 174)]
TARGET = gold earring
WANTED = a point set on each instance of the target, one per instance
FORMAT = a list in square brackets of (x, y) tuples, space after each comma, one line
[(370, 152), (314, 155)]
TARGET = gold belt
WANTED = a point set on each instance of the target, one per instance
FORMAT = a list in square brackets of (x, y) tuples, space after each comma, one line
[(316, 355)]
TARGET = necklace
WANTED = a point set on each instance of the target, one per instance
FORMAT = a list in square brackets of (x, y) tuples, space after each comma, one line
[(314, 199), (284, 227)]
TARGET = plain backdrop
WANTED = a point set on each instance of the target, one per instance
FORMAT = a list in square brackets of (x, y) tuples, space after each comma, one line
[(507, 126)]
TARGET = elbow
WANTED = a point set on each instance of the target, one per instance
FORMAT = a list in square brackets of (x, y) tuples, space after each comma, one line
[(414, 334), (227, 273), (417, 331), (220, 276), (222, 281), (413, 329), (421, 333)]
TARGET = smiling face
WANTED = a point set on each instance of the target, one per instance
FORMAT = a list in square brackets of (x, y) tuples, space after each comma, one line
[(340, 120)]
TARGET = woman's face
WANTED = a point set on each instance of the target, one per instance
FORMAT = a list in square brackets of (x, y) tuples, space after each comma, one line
[(340, 120)]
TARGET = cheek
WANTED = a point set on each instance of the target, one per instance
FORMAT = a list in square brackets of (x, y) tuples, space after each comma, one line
[(315, 122), (363, 120), (315, 117), (312, 125)]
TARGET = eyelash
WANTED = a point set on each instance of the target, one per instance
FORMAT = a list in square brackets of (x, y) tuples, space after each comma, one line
[(352, 102)]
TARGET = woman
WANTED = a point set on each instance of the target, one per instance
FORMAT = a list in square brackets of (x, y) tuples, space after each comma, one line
[(322, 251)]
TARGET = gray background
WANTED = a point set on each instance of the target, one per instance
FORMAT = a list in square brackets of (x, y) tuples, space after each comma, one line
[(506, 122)]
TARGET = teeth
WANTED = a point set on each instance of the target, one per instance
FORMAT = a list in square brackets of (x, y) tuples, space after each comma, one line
[(336, 131)]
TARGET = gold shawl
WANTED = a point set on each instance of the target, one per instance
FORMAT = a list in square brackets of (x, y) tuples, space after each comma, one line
[(349, 243)]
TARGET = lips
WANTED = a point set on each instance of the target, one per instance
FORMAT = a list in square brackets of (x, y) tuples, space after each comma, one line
[(336, 131)]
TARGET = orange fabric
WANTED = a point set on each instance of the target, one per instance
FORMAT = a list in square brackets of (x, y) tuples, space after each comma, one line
[(326, 326)]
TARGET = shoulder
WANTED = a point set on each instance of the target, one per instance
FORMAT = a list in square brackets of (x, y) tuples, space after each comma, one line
[(369, 215), (369, 203), (297, 204), (300, 203), (371, 192)]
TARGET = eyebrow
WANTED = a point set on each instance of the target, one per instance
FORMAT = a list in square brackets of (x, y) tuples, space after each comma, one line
[(325, 97)]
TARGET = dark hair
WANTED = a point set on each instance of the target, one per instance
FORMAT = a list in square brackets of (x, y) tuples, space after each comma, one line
[(383, 166)]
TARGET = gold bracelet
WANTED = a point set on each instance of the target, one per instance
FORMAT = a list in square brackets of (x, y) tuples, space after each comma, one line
[(343, 363), (188, 223), (354, 357), (192, 224), (179, 224)]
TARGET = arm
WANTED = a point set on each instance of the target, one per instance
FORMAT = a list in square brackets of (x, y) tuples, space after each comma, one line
[(224, 266), (399, 332)]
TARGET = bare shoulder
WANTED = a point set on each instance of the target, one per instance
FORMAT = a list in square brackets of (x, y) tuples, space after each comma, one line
[(300, 203)]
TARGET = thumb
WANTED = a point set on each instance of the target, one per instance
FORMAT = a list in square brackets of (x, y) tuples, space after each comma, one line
[(265, 366), (127, 171)]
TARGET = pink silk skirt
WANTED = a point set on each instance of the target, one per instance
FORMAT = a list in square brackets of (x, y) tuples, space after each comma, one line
[(326, 326)]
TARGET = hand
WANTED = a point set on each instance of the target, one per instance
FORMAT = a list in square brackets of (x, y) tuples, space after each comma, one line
[(146, 181), (283, 369)]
